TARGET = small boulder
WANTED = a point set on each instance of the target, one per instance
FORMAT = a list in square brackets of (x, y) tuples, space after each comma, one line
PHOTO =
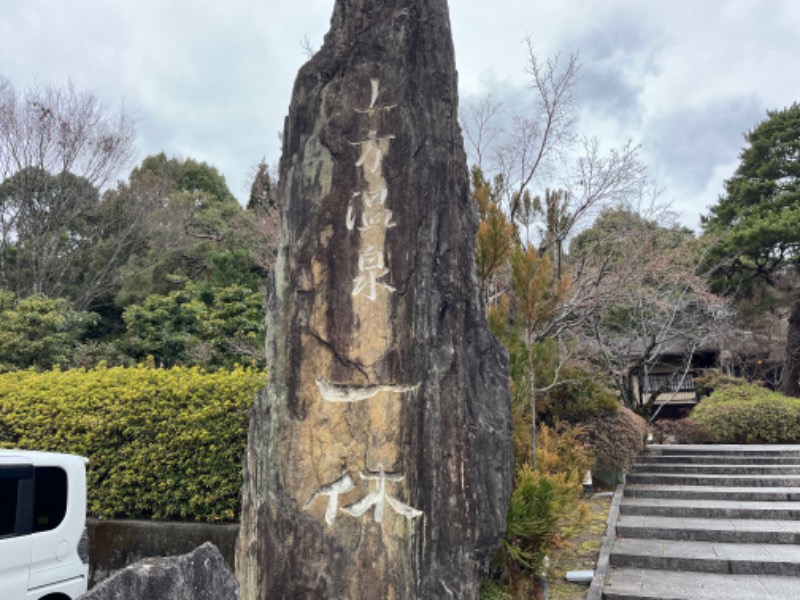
[(200, 575)]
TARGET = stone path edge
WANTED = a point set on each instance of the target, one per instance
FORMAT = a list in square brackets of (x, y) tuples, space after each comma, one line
[(603, 559)]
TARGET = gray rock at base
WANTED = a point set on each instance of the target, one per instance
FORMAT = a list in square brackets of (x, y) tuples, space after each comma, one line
[(379, 461), (199, 575)]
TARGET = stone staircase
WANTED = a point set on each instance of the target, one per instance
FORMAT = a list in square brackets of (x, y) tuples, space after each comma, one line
[(709, 523)]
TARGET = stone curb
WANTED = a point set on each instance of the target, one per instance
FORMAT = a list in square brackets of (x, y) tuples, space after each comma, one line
[(603, 559)]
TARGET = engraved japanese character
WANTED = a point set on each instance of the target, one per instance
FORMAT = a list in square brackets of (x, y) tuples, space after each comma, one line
[(378, 497), (332, 490), (370, 262), (371, 156)]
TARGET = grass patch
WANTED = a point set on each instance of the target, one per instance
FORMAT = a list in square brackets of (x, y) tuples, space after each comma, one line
[(580, 554)]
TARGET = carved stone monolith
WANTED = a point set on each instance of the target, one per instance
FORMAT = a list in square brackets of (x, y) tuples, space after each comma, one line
[(379, 459)]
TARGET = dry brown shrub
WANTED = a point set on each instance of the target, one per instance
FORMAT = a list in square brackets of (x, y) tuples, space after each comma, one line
[(681, 431), (616, 438)]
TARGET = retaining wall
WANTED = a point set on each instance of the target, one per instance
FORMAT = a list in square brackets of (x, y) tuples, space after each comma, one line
[(117, 544)]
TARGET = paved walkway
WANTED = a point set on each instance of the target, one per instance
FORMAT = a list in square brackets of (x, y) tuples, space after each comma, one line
[(708, 523)]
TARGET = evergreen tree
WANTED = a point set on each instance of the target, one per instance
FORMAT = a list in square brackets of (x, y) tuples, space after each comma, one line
[(756, 224), (196, 231), (47, 232)]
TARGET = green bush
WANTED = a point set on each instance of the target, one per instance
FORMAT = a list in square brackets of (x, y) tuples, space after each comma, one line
[(214, 328), (705, 384), (162, 444), (39, 332), (581, 395), (748, 414), (545, 509)]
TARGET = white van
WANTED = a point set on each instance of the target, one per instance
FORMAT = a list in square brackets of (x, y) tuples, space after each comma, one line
[(43, 544)]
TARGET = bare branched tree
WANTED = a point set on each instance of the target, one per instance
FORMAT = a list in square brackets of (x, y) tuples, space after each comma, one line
[(59, 147), (539, 140), (594, 183), (652, 299), (63, 130), (481, 129), (552, 178), (307, 48), (636, 284)]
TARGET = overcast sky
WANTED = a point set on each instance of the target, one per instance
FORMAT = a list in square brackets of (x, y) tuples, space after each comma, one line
[(212, 80)]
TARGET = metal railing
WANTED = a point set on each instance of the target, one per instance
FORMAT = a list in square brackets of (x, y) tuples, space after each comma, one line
[(667, 382)]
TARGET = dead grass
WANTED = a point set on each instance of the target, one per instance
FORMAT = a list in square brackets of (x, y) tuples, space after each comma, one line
[(580, 554)]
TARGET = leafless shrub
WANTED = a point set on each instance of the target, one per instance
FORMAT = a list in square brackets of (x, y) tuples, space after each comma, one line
[(682, 431)]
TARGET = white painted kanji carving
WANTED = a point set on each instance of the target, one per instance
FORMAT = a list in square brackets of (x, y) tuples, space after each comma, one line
[(371, 267), (372, 218), (375, 83), (379, 217), (372, 215), (371, 157), (378, 497), (350, 220), (340, 486), (338, 392), (373, 197)]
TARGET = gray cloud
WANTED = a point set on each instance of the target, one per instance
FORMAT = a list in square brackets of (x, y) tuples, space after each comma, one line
[(618, 54), (690, 143), (212, 81)]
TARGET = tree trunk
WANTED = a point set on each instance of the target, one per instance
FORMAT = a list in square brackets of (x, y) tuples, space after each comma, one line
[(532, 383), (790, 381)]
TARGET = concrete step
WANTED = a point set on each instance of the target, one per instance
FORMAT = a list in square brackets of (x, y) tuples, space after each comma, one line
[(726, 469), (710, 509), (647, 584), (732, 531), (698, 492), (715, 459), (708, 557), (714, 480), (718, 449), (708, 522)]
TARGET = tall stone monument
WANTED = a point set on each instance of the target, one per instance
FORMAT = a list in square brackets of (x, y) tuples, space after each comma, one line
[(379, 458)]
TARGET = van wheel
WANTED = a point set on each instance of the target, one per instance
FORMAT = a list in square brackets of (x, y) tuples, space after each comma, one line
[(55, 597)]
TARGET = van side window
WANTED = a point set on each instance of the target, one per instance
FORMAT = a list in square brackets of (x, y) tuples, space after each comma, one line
[(16, 491), (8, 506), (50, 504)]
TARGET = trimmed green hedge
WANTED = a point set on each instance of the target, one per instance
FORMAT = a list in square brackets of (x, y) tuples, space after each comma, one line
[(162, 444), (748, 414)]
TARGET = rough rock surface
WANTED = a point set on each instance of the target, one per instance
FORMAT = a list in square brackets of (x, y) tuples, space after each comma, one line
[(199, 575), (379, 459)]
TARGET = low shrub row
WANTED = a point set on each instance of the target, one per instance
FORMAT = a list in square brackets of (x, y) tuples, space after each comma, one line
[(748, 414), (162, 444)]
